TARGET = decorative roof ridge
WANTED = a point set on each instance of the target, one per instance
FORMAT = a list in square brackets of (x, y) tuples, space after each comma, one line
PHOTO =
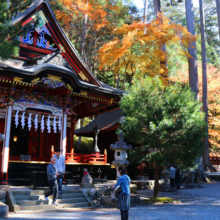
[(33, 6)]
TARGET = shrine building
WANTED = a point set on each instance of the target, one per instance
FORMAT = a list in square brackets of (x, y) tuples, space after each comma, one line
[(44, 91)]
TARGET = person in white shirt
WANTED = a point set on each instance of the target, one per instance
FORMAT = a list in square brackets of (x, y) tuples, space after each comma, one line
[(60, 166), (172, 176)]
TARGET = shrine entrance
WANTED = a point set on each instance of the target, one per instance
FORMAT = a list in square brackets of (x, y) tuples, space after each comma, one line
[(34, 131), (19, 141)]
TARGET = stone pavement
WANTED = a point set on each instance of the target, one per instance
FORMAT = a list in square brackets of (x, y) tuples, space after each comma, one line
[(196, 204)]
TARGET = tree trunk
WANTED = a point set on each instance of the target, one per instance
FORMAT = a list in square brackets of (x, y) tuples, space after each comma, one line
[(145, 11), (163, 64), (218, 14), (156, 183), (83, 36), (192, 62), (206, 160), (157, 7)]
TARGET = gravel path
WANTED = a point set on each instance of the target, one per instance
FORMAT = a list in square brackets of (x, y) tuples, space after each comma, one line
[(197, 204)]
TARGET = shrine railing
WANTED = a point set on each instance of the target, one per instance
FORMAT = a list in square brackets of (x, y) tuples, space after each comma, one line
[(214, 160), (95, 158)]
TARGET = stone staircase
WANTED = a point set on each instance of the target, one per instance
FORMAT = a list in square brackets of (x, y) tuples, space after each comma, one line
[(34, 200)]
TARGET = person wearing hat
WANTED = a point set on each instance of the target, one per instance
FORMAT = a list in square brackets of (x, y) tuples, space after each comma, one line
[(60, 166)]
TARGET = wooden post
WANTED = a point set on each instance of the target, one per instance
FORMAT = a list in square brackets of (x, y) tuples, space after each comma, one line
[(41, 139), (5, 156), (105, 155), (63, 139), (72, 135), (52, 150)]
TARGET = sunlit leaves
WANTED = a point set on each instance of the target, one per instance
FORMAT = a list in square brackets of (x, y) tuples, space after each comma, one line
[(136, 49)]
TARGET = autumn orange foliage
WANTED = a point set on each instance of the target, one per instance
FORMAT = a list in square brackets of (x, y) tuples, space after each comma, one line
[(136, 49), (213, 79), (78, 8)]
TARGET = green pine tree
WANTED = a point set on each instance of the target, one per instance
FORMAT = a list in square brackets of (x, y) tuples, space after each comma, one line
[(8, 32), (166, 124)]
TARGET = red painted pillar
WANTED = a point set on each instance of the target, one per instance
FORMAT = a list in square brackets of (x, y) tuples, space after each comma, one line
[(6, 148)]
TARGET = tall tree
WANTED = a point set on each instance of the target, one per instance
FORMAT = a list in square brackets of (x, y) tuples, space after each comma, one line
[(192, 62), (218, 14), (157, 7), (206, 160), (145, 11), (165, 123), (163, 63)]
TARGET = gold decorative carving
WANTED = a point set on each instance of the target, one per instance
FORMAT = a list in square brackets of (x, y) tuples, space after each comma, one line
[(17, 79), (83, 92), (62, 48), (35, 80), (55, 78), (69, 87), (82, 75)]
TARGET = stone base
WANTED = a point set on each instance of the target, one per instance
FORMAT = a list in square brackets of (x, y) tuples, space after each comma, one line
[(86, 185), (192, 185), (112, 202), (96, 180), (109, 201), (150, 184), (141, 184), (3, 210), (166, 188), (213, 176)]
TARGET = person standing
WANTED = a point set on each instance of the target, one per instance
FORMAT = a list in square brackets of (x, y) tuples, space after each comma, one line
[(52, 180), (60, 166), (178, 177), (124, 198), (172, 176)]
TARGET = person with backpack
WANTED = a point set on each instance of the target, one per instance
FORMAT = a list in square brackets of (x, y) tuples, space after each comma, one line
[(52, 180), (122, 192)]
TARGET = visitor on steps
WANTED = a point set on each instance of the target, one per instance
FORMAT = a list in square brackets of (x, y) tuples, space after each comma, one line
[(52, 180), (60, 165), (124, 197)]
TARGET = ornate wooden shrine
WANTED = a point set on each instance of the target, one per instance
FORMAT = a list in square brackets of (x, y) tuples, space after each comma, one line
[(45, 91)]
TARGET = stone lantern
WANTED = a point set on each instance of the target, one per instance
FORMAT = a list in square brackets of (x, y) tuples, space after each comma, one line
[(120, 148)]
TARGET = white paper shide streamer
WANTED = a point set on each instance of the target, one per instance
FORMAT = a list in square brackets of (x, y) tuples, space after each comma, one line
[(23, 120), (29, 121), (54, 125), (16, 119), (42, 124), (60, 124), (48, 124), (36, 122)]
